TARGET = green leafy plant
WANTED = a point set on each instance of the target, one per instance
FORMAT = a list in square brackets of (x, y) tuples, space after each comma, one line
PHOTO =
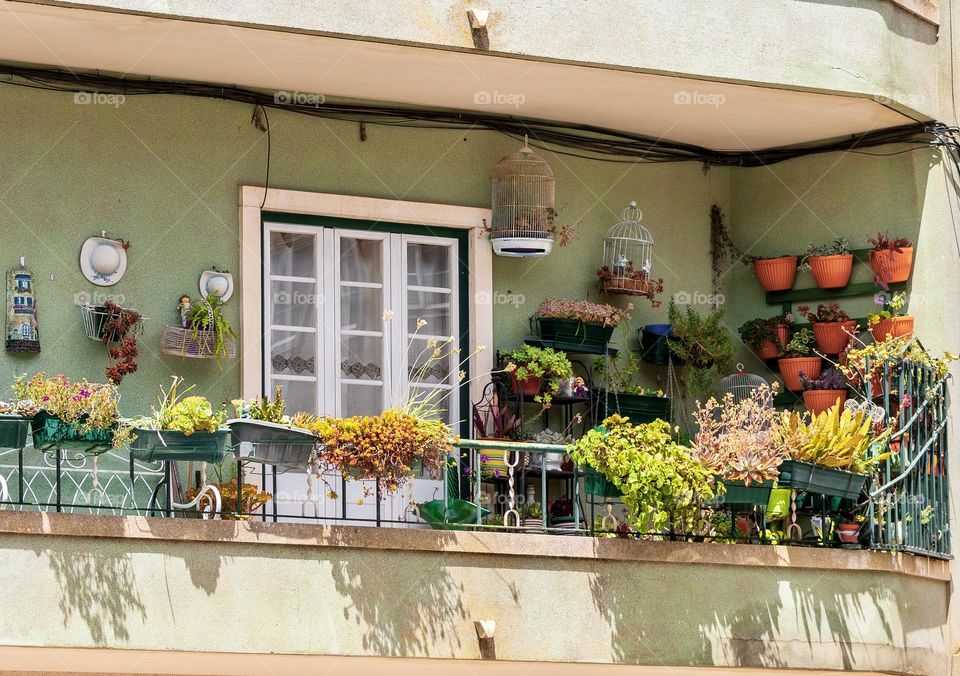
[(702, 343), (180, 413), (85, 406), (550, 365), (801, 344), (261, 408), (836, 438), (211, 330), (825, 313), (837, 247), (663, 486), (890, 308), (756, 332)]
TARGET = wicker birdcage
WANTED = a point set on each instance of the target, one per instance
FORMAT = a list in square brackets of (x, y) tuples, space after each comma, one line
[(523, 205), (627, 256), (742, 385)]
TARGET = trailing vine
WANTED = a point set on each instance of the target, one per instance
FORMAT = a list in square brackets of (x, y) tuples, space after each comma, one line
[(119, 334), (723, 250)]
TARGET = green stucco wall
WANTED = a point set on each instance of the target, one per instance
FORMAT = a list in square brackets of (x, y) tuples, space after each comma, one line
[(164, 172), (301, 591)]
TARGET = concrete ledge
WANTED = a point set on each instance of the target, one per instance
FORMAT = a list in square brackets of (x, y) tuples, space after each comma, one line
[(928, 10), (501, 544)]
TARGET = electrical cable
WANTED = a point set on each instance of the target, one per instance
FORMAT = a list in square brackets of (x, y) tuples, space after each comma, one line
[(576, 140)]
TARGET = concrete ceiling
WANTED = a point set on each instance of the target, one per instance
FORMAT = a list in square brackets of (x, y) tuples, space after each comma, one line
[(714, 115)]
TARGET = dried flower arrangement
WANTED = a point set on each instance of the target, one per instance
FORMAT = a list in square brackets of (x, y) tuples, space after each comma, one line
[(585, 311)]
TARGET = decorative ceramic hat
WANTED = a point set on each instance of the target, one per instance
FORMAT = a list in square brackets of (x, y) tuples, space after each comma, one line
[(216, 282), (103, 261)]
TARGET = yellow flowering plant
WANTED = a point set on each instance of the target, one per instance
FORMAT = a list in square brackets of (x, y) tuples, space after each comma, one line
[(84, 405)]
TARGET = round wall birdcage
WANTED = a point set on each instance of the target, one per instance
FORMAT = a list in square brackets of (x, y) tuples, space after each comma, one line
[(523, 205), (627, 256), (742, 384)]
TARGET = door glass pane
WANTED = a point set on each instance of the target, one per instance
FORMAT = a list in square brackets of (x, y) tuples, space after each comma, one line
[(300, 395), (361, 308), (428, 265), (361, 358), (426, 368), (293, 353), (360, 260), (433, 308), (291, 254), (358, 399), (293, 304)]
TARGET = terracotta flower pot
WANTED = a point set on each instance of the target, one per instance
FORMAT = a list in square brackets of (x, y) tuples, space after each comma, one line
[(831, 272), (769, 349), (890, 266), (529, 387), (776, 274), (833, 337), (818, 401), (897, 327), (790, 370), (849, 533)]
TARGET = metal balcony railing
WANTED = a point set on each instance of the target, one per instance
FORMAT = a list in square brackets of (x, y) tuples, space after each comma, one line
[(909, 508)]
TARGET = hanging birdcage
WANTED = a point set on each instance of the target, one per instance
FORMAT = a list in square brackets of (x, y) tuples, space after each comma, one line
[(742, 385), (523, 205), (628, 257)]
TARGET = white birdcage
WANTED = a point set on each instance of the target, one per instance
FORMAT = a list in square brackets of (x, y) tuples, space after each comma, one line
[(627, 256), (742, 385), (523, 205)]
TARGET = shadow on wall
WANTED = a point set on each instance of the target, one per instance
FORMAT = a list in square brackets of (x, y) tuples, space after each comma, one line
[(897, 19), (761, 617), (101, 589), (405, 608)]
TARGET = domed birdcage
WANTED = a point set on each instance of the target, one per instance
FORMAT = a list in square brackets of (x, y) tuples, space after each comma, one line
[(742, 385), (627, 257), (523, 205)]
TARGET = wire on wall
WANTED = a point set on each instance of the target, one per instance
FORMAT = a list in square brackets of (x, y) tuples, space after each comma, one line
[(579, 140)]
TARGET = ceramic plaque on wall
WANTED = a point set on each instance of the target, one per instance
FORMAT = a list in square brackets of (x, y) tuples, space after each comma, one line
[(23, 334)]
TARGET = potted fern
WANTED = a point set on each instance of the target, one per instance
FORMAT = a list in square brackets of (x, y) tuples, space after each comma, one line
[(702, 343)]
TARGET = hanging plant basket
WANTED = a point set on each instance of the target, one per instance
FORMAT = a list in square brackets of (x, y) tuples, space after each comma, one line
[(833, 337), (274, 444), (640, 408), (892, 266), (628, 286), (776, 274), (790, 369), (897, 327), (818, 401), (154, 445), (50, 432), (96, 318), (831, 272), (805, 476), (181, 342), (14, 430), (654, 348)]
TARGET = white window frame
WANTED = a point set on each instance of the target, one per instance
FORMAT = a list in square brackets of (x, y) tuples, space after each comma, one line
[(255, 200)]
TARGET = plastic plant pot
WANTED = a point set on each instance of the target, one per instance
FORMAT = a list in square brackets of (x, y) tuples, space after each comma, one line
[(892, 266), (895, 327), (597, 485), (738, 493), (639, 408), (768, 349), (776, 274), (791, 368), (273, 444), (529, 387), (50, 432), (573, 331), (818, 401), (831, 272), (155, 445), (14, 430), (805, 476), (653, 344), (833, 337)]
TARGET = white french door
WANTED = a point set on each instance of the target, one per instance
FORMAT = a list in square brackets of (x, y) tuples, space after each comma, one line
[(342, 309), (341, 313)]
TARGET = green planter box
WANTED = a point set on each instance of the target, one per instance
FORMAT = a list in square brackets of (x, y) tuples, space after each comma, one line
[(14, 430), (573, 331), (154, 445), (50, 432), (597, 485), (804, 476), (738, 493), (274, 444), (639, 408)]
